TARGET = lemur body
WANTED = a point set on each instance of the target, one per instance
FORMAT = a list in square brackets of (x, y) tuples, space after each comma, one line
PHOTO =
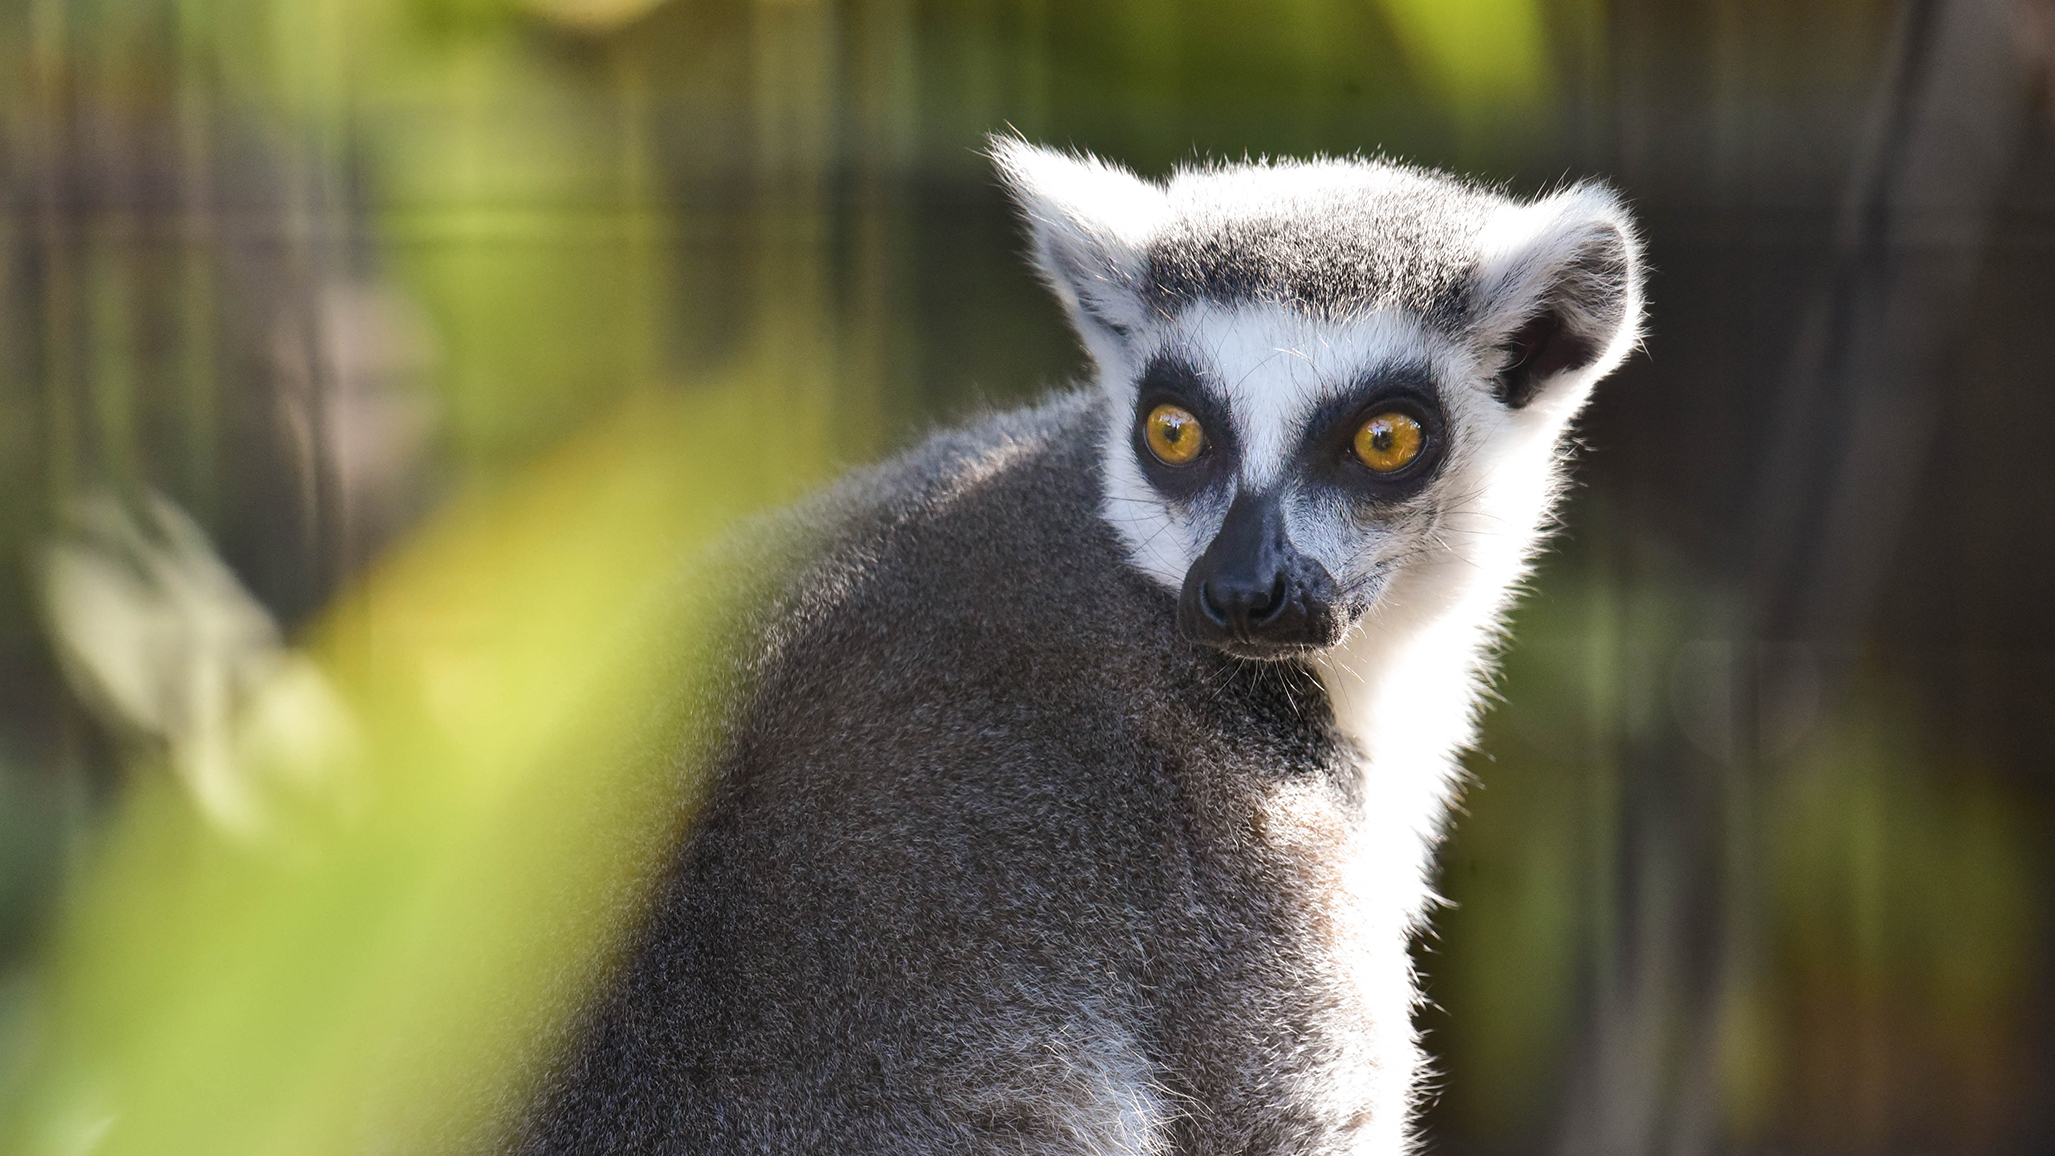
[(1082, 790)]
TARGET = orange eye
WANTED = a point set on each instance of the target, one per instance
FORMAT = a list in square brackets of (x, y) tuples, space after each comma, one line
[(1390, 441), (1173, 435)]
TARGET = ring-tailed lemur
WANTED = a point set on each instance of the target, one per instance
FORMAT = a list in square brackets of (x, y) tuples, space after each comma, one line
[(1081, 793)]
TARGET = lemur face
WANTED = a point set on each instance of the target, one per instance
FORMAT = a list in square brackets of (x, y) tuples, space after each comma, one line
[(1326, 377), (1311, 460)]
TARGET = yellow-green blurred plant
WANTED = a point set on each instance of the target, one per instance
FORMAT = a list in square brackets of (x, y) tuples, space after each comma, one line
[(1483, 56), (379, 969)]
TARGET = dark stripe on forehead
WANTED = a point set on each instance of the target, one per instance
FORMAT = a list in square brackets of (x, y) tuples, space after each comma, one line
[(1335, 256)]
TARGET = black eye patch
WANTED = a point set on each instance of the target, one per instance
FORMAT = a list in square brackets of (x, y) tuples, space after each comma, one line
[(1170, 378), (1328, 452)]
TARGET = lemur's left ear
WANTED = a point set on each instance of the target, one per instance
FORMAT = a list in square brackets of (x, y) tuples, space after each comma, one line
[(1091, 222), (1557, 291)]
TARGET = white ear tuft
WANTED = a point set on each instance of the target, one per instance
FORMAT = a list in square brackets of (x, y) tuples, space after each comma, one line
[(1558, 290), (1091, 222)]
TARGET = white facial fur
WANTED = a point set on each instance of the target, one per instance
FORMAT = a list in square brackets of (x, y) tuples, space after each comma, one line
[(1275, 367)]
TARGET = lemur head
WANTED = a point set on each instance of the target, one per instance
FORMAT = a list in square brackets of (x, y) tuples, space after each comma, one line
[(1328, 377)]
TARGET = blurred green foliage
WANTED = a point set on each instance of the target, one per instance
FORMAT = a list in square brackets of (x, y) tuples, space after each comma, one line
[(384, 962), (463, 325)]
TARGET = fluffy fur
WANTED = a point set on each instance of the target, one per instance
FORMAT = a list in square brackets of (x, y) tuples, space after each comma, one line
[(999, 859)]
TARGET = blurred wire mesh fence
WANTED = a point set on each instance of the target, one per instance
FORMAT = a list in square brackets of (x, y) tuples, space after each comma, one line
[(366, 369)]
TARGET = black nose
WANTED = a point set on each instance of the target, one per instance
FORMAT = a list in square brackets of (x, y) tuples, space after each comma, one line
[(1252, 594), (1245, 602)]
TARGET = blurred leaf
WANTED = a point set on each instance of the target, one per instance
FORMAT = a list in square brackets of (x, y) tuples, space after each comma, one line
[(593, 15), (1480, 54), (383, 977)]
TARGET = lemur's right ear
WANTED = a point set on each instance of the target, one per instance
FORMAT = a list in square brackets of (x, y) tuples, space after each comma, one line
[(1091, 223)]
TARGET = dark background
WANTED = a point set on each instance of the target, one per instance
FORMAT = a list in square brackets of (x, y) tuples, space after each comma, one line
[(1757, 855)]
